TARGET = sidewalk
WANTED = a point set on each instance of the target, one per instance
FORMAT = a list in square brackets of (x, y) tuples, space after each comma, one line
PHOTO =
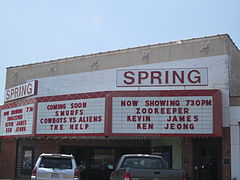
[(17, 179)]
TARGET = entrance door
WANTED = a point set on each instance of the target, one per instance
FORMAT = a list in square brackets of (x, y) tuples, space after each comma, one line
[(100, 159), (207, 159)]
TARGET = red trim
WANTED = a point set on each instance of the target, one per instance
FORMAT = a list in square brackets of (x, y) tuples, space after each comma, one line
[(217, 113), (77, 134), (108, 115), (162, 85), (164, 93), (164, 135), (17, 136), (73, 96), (34, 125), (18, 103), (36, 88)]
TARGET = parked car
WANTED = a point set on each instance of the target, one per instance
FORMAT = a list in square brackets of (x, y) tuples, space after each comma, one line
[(145, 167), (55, 166)]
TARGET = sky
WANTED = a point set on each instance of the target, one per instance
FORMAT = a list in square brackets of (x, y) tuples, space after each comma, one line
[(40, 30)]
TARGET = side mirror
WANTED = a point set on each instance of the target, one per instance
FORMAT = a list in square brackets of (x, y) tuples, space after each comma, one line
[(109, 166)]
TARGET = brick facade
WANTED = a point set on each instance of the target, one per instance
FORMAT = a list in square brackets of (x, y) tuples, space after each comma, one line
[(187, 155), (226, 154), (8, 158), (8, 152)]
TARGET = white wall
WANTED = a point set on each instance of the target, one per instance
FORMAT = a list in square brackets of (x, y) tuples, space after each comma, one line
[(105, 80), (235, 141)]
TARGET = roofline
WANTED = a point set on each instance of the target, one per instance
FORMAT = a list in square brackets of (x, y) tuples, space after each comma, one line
[(132, 48)]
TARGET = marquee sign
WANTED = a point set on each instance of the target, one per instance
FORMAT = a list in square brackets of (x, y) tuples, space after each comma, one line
[(21, 91), (17, 120), (81, 116), (162, 77), (167, 113), (117, 113)]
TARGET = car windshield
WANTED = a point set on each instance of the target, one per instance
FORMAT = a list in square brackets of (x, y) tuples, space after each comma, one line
[(58, 163), (145, 163)]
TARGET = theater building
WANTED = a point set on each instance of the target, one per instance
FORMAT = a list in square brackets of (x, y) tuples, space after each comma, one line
[(178, 99)]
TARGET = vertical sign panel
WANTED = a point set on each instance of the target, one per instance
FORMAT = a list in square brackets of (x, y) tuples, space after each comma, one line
[(21, 91), (83, 116), (17, 120)]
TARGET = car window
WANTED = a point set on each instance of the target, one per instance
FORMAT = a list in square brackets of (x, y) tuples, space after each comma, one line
[(145, 163), (58, 163)]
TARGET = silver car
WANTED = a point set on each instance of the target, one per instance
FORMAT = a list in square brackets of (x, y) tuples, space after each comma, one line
[(55, 166)]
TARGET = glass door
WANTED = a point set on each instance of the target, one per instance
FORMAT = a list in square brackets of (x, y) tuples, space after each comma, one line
[(100, 160)]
